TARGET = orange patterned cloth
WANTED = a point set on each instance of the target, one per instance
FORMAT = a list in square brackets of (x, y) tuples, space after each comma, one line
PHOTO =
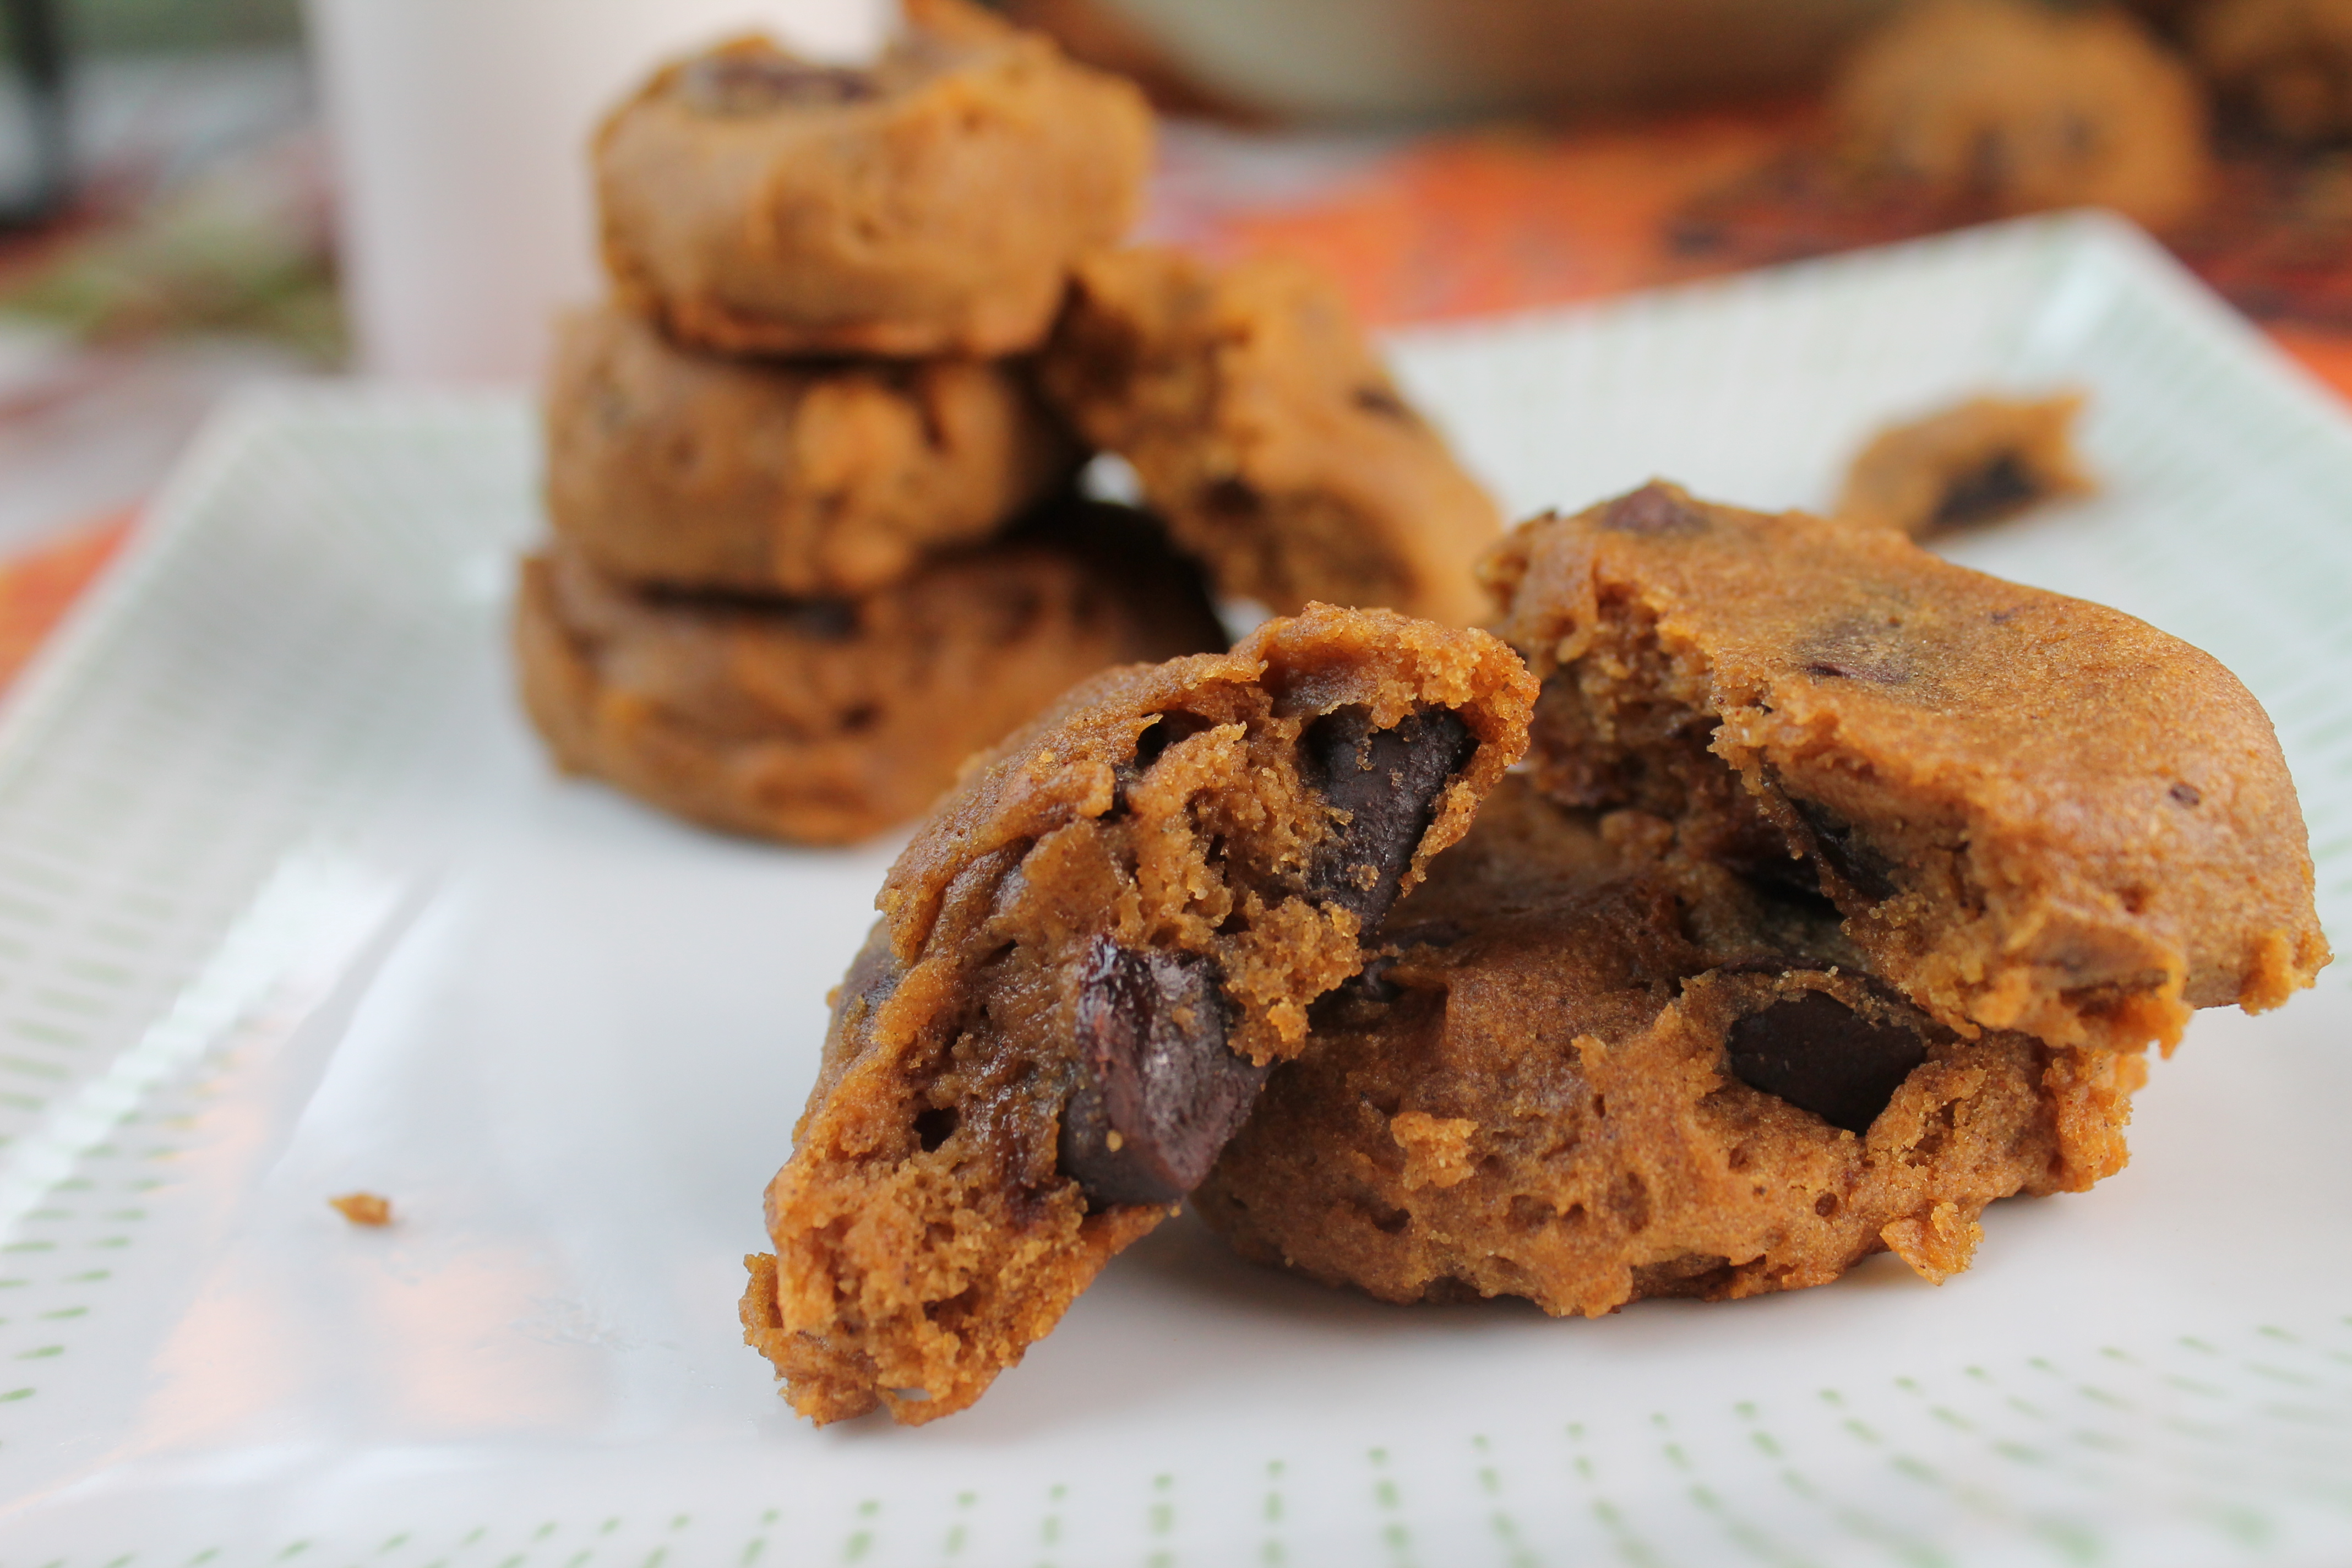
[(1455, 225), (38, 587)]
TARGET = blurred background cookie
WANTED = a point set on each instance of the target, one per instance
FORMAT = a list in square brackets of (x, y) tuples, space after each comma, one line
[(2287, 63), (2015, 106), (1263, 427), (931, 203), (805, 478), (822, 721)]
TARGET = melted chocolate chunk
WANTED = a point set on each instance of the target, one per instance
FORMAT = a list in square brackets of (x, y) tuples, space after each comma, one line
[(1819, 1055), (755, 83), (1371, 985), (1387, 782), (2001, 488), (2186, 794), (1652, 509), (1159, 1092), (1844, 851)]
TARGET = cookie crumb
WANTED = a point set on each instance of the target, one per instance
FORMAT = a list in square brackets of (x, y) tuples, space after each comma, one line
[(362, 1209)]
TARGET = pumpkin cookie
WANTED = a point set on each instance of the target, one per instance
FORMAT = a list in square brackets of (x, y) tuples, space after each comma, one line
[(1266, 432), (2006, 106), (2034, 814), (809, 480), (2289, 62), (821, 721), (1087, 958), (1574, 1076), (1980, 462), (931, 204)]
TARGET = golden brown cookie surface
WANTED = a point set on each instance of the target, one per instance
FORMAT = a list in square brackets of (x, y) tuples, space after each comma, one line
[(932, 204), (1266, 430), (2035, 814), (822, 721), (2016, 107), (1551, 1087), (1086, 957), (1976, 462), (809, 480)]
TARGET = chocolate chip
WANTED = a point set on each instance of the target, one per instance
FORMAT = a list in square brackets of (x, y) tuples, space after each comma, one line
[(754, 83), (1373, 398), (1652, 509), (2000, 487), (1854, 670), (1387, 782), (1372, 982), (1819, 1055), (1841, 848), (1229, 497), (2186, 794), (1159, 1092)]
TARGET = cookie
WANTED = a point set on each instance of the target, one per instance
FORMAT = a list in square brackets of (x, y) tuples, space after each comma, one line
[(822, 721), (1266, 432), (2034, 814), (1980, 461), (1576, 1078), (931, 205), (807, 479), (2005, 106), (2288, 63), (1087, 957)]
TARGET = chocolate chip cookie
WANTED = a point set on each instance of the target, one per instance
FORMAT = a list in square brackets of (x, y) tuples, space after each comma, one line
[(2288, 62), (804, 479), (1980, 462), (823, 720), (1087, 958), (1578, 1075), (1266, 430), (931, 205), (2034, 814), (2006, 106)]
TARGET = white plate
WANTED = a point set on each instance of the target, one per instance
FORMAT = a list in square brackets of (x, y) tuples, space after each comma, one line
[(290, 905)]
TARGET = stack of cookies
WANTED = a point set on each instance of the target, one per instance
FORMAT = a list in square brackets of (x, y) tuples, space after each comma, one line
[(811, 469), (813, 539)]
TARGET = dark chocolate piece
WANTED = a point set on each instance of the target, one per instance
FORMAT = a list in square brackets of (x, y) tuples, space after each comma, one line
[(754, 83), (1159, 1092), (1387, 782), (2002, 487), (1844, 851), (1819, 1055), (1652, 509)]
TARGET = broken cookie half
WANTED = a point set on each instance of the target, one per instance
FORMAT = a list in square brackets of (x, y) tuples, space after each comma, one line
[(1088, 958), (1584, 1072), (2033, 814)]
